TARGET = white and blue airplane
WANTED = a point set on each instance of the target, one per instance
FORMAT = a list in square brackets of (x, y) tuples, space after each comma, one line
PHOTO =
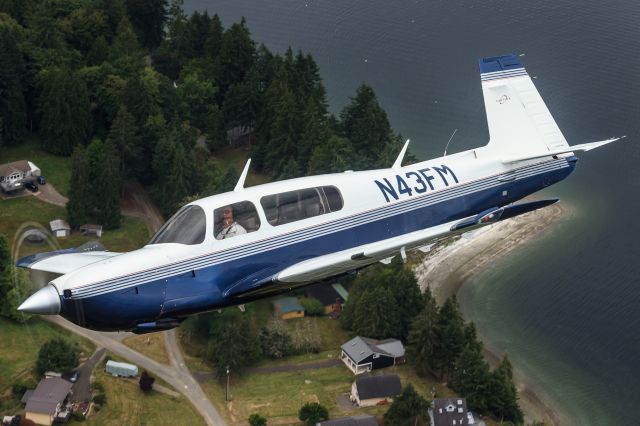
[(309, 229)]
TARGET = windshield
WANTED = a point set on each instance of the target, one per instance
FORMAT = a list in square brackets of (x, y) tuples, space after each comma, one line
[(188, 226)]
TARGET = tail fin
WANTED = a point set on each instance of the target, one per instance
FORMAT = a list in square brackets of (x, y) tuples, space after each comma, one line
[(519, 121)]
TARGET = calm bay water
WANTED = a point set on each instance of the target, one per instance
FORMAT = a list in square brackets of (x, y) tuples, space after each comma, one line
[(566, 307)]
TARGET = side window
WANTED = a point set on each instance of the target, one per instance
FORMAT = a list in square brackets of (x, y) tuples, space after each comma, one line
[(292, 206), (334, 199), (235, 219)]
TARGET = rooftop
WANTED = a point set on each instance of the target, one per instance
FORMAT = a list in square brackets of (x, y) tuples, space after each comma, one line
[(359, 348), (364, 420), (47, 395), (325, 293), (287, 304), (378, 386)]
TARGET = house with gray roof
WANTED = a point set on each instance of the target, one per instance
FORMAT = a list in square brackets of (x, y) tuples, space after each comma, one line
[(364, 420), (362, 354), (451, 412), (368, 391), (47, 400)]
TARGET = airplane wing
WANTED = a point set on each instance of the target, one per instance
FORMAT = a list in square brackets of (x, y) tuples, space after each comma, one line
[(356, 258), (62, 261)]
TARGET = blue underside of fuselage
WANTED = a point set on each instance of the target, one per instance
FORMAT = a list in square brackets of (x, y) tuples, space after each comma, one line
[(229, 283)]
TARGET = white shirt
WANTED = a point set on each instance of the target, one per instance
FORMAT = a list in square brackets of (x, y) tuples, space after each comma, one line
[(231, 231)]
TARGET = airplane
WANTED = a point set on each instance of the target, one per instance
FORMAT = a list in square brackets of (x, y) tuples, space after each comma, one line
[(305, 230)]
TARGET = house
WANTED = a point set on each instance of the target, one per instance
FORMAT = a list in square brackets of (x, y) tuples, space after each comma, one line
[(364, 420), (60, 228), (88, 229), (288, 307), (331, 296), (12, 175), (450, 412), (121, 369), (368, 391), (46, 402), (362, 354)]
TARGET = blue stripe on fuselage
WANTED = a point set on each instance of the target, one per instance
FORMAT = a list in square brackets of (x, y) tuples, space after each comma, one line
[(205, 288)]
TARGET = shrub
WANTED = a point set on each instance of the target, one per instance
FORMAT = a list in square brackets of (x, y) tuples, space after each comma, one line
[(312, 413), (312, 307), (257, 420)]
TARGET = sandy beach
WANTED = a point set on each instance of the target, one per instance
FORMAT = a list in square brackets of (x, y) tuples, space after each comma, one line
[(450, 264)]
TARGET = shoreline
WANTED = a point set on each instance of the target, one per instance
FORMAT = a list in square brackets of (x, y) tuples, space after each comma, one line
[(448, 266)]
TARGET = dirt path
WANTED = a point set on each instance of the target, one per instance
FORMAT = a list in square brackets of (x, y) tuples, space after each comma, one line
[(136, 203), (48, 193)]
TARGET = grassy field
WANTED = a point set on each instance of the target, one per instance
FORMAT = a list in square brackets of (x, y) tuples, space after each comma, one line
[(31, 211), (128, 405), (56, 169), (151, 345)]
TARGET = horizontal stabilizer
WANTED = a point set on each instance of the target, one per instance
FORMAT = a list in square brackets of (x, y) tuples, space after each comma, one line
[(576, 148)]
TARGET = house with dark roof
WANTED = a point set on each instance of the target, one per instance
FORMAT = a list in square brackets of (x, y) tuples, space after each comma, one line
[(451, 412), (288, 307), (47, 400), (368, 391), (362, 354), (364, 420), (332, 296), (12, 175)]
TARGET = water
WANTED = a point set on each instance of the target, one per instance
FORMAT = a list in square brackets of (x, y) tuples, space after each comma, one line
[(566, 307)]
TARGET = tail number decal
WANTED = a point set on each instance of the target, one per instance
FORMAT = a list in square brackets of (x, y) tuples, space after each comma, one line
[(416, 182)]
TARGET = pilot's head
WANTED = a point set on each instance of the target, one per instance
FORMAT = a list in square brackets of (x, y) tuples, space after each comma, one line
[(227, 214)]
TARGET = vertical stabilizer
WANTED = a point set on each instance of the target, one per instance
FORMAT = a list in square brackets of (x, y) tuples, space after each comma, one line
[(519, 121)]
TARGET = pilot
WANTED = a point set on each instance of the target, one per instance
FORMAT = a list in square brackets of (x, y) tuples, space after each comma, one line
[(230, 228)]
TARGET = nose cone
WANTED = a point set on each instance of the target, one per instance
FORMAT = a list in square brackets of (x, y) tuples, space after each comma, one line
[(45, 301)]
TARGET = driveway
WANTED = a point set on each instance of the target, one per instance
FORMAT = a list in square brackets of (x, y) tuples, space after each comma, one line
[(82, 388), (177, 376)]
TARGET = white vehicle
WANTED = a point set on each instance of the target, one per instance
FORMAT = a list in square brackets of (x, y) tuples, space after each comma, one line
[(255, 242)]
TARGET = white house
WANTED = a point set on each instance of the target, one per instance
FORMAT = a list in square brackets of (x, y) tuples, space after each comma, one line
[(368, 391), (12, 175)]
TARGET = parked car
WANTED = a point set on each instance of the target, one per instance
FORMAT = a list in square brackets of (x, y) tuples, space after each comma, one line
[(42, 180), (31, 186), (74, 377)]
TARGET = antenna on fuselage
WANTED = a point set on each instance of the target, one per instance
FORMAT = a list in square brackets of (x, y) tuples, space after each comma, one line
[(448, 142), (398, 162), (243, 176)]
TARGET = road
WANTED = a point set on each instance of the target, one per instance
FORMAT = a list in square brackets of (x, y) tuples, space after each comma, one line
[(82, 388), (176, 374)]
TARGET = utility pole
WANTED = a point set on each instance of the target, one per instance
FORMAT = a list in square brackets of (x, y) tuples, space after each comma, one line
[(227, 393)]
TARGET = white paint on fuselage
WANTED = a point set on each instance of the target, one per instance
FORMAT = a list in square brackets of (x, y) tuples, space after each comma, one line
[(359, 192)]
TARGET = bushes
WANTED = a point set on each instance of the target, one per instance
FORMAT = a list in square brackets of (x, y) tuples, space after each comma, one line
[(313, 307), (312, 413)]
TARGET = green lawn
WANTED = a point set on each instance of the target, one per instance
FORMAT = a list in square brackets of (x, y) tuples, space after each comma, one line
[(19, 353), (55, 168), (128, 405), (16, 212)]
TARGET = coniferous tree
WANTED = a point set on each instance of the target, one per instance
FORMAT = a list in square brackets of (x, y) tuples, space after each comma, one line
[(237, 54), (290, 170), (334, 156), (365, 124), (407, 408), (13, 108), (79, 207), (451, 338), (124, 135), (149, 17), (423, 336), (213, 40), (376, 314), (471, 378), (504, 396), (126, 43), (180, 180), (109, 179), (64, 107), (233, 342)]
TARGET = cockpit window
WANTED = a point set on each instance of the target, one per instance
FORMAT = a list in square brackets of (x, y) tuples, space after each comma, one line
[(188, 226), (235, 219), (292, 206)]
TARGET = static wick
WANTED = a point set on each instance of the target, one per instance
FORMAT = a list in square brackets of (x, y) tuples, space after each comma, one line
[(448, 142)]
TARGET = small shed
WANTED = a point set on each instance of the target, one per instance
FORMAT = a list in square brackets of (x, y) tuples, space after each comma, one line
[(89, 229), (368, 391), (288, 307), (451, 411), (121, 369), (60, 228), (362, 354)]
